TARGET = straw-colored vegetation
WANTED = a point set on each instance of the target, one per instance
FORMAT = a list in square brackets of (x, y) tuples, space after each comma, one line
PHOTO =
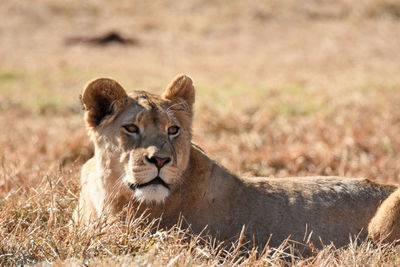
[(293, 87)]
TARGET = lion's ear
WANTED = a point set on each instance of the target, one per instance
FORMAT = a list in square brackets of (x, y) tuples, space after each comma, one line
[(102, 97), (181, 88)]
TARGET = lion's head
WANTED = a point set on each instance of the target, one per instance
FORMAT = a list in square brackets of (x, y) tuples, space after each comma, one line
[(144, 138)]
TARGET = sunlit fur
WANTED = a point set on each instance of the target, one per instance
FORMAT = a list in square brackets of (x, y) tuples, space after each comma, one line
[(119, 166), (385, 226), (308, 209)]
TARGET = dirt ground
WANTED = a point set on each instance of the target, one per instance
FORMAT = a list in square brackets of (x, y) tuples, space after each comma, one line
[(284, 88)]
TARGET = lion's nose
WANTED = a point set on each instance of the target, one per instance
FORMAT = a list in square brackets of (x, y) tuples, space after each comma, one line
[(158, 161)]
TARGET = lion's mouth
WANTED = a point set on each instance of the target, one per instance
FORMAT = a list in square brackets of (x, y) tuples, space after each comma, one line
[(155, 181)]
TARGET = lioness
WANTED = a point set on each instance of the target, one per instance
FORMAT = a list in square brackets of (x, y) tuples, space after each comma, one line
[(144, 154)]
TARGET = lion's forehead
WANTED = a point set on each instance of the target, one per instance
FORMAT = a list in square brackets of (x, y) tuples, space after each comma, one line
[(147, 111), (145, 116)]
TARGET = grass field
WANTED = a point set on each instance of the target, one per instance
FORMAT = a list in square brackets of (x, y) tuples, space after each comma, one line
[(284, 88)]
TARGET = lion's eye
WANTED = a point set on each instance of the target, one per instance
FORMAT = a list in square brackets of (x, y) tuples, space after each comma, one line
[(131, 128), (173, 130)]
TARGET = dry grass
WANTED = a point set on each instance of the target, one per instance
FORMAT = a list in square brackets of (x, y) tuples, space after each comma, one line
[(283, 88)]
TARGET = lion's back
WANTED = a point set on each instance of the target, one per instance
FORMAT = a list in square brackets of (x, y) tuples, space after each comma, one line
[(331, 209)]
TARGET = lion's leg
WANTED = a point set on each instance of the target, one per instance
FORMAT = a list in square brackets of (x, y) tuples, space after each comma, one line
[(385, 225), (85, 212)]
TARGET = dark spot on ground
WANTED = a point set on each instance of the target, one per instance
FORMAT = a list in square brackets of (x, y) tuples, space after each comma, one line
[(111, 37)]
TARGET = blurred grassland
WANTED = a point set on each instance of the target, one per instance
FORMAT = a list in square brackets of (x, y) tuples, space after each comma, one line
[(284, 88)]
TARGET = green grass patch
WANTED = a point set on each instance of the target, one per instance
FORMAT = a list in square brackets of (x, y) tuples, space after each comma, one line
[(42, 91), (9, 76), (295, 110)]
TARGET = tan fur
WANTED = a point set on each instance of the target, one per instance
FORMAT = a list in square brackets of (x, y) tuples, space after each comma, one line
[(385, 225), (327, 209)]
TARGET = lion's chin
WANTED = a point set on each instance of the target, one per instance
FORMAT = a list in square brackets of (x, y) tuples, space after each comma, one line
[(152, 193)]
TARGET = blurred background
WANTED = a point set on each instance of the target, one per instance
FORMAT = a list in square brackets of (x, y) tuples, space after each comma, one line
[(284, 88)]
